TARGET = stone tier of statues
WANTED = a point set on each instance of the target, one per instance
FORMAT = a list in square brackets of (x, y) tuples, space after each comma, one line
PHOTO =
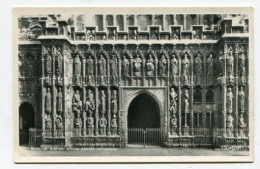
[(181, 67), (101, 118)]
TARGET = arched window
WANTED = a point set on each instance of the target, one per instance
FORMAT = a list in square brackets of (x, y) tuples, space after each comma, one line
[(197, 97), (210, 96)]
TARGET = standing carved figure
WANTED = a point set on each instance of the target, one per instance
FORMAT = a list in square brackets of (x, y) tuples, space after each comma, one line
[(185, 99), (241, 100), (59, 101), (150, 65), (102, 65), (230, 63), (162, 66), (48, 101), (173, 104), (102, 102), (90, 104), (242, 67), (102, 125), (77, 121), (198, 69), (185, 69), (137, 65), (90, 66), (229, 100), (113, 69), (210, 69), (102, 69), (174, 69), (58, 64), (90, 70), (77, 103), (114, 104), (125, 66), (48, 63), (77, 69)]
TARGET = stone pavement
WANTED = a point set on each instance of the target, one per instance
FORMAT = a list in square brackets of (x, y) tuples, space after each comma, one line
[(24, 151)]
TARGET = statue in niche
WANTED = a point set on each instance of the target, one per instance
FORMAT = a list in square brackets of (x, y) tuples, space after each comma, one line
[(102, 102), (59, 126), (210, 69), (102, 69), (198, 69), (230, 66), (174, 69), (48, 101), (59, 101), (173, 104), (162, 66), (90, 122), (91, 35), (230, 121), (241, 122), (59, 122), (173, 121), (58, 64), (241, 100), (137, 65), (90, 104), (185, 69), (102, 125), (150, 65), (48, 63), (77, 103), (77, 69), (102, 65), (125, 66), (176, 34), (114, 104), (114, 125), (48, 122), (229, 100), (242, 67), (185, 99), (90, 70), (113, 69), (77, 121)]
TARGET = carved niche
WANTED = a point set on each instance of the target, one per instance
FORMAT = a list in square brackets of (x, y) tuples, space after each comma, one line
[(210, 70), (90, 67), (77, 68), (137, 62), (113, 65), (198, 71), (242, 67), (150, 62), (174, 67), (125, 63), (185, 68), (102, 67), (162, 65), (230, 66)]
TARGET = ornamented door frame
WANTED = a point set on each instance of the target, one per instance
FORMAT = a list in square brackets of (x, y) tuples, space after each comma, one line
[(159, 94)]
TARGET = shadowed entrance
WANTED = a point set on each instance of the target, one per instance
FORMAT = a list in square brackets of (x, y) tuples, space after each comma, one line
[(143, 112), (26, 121), (144, 121)]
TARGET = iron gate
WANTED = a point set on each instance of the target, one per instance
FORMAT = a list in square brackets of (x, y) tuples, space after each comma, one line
[(145, 137)]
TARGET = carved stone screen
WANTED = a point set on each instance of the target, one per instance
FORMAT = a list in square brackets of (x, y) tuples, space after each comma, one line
[(178, 80)]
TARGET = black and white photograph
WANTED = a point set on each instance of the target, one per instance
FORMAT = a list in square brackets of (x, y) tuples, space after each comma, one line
[(133, 84)]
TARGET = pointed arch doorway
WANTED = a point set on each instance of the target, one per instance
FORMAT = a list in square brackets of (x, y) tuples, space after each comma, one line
[(26, 121), (144, 125)]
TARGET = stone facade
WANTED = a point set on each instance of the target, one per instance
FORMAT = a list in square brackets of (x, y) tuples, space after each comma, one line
[(80, 78)]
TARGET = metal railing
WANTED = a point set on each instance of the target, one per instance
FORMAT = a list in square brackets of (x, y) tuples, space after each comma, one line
[(145, 137)]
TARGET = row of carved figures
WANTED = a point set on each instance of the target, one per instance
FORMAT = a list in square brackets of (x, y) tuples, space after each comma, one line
[(173, 108), (89, 107), (148, 65), (241, 74)]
